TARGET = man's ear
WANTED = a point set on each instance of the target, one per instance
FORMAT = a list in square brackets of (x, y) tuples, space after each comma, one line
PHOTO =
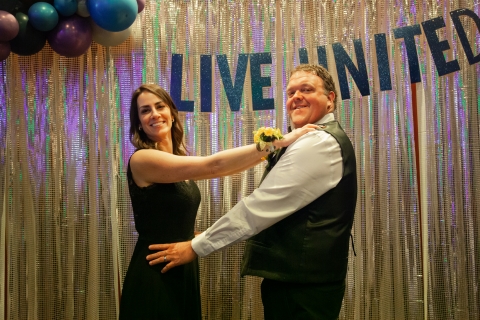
[(331, 99)]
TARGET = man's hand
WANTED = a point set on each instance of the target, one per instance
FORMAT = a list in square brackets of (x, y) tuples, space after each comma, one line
[(175, 254)]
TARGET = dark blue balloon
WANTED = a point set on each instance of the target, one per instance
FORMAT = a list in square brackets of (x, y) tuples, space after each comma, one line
[(66, 7), (113, 15), (43, 16)]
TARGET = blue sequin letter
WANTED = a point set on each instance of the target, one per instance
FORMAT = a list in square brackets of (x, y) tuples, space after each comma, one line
[(437, 47), (322, 56), (233, 91), (176, 84), (408, 33), (259, 82), (461, 32), (206, 83), (359, 75), (382, 62), (303, 54)]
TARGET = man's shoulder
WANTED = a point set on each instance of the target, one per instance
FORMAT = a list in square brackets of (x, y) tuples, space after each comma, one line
[(316, 138), (328, 125), (332, 127)]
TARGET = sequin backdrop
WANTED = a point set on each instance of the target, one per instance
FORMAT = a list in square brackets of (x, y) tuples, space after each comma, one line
[(67, 230)]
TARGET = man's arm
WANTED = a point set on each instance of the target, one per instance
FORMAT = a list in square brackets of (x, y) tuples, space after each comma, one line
[(310, 167)]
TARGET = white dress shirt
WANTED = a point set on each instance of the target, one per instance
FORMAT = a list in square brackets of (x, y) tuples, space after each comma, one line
[(310, 167)]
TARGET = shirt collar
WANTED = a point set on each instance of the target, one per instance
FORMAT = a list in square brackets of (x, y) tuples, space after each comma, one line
[(326, 118)]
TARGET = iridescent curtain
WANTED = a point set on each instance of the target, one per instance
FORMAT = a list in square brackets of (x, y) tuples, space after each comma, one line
[(66, 225)]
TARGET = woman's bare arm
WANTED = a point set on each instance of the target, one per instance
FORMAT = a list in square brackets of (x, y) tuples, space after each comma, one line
[(152, 166)]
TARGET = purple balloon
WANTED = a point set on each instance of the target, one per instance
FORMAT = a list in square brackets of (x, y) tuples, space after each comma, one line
[(4, 50), (71, 37), (8, 26), (141, 5)]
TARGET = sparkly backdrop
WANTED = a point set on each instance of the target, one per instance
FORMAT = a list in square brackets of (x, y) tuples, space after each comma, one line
[(66, 225)]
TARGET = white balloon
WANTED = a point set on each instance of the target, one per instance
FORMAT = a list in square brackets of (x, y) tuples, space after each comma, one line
[(108, 38), (82, 9)]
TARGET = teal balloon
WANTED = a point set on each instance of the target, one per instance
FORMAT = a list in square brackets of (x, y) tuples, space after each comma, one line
[(43, 16), (66, 7), (113, 15)]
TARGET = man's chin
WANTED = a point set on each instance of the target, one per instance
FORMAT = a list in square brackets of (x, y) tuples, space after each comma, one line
[(298, 124)]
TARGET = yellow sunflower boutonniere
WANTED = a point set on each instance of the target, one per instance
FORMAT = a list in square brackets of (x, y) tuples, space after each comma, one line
[(264, 137)]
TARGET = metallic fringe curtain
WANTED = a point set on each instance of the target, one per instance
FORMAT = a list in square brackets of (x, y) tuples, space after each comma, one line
[(66, 225)]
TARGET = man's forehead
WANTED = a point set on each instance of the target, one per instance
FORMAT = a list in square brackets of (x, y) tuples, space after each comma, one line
[(301, 77)]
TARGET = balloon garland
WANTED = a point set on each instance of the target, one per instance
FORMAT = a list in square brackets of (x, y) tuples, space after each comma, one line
[(69, 26)]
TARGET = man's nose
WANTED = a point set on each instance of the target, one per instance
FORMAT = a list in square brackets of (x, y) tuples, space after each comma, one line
[(297, 95)]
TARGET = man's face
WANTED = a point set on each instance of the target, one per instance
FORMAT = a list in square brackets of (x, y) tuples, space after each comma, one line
[(306, 99)]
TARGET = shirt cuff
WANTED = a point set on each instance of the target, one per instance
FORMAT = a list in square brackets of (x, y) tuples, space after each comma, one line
[(200, 247)]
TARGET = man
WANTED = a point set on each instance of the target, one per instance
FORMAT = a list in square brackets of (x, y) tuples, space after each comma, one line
[(299, 219)]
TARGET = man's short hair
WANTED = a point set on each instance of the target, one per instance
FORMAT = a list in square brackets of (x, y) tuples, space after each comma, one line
[(323, 74)]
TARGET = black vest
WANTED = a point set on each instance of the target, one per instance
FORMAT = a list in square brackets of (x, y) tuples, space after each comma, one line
[(311, 245)]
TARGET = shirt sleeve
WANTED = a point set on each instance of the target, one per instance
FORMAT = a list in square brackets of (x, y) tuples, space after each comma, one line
[(310, 167)]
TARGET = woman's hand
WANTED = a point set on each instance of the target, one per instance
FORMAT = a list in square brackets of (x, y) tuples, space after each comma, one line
[(173, 254), (291, 137)]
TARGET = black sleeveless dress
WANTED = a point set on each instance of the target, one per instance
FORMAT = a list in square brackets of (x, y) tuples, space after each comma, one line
[(163, 213)]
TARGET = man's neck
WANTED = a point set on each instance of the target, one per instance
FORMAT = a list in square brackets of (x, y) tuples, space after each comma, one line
[(326, 118)]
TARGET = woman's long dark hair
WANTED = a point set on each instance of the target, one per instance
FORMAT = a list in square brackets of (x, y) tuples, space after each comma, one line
[(138, 137)]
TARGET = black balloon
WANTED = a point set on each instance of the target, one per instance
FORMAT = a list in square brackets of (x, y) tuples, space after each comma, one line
[(14, 6), (29, 3), (29, 40)]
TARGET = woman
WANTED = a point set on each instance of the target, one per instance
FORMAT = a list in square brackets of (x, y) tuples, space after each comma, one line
[(165, 201)]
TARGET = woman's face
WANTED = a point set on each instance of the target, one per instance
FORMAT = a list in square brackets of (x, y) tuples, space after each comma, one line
[(155, 116)]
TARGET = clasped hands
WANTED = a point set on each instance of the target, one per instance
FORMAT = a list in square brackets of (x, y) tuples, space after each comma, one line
[(173, 254)]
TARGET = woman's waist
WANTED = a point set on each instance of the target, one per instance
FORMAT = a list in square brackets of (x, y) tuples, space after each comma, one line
[(163, 238)]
